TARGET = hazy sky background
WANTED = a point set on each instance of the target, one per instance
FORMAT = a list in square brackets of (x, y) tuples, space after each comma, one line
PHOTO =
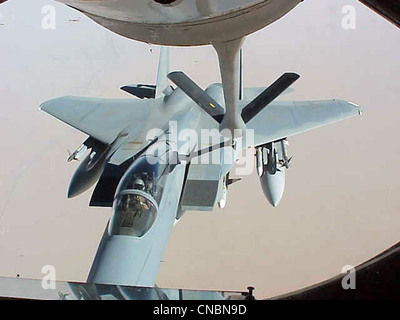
[(341, 204)]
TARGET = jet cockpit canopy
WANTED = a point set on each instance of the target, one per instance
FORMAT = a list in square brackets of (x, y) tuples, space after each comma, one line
[(137, 197)]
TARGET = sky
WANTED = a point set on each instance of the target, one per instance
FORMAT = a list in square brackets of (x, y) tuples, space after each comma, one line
[(340, 205)]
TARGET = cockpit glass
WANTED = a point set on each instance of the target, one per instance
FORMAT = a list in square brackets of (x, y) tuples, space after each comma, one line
[(134, 215), (138, 194), (145, 175)]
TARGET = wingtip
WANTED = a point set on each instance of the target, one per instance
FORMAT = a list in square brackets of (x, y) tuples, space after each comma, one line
[(352, 104), (42, 107), (360, 112)]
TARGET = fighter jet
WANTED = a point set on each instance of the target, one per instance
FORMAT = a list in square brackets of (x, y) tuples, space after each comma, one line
[(150, 161), (223, 24)]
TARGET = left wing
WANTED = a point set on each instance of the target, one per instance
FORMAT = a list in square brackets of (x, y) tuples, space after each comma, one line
[(283, 119), (102, 119)]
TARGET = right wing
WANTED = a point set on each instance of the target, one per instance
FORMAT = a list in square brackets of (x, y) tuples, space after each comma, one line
[(102, 119), (280, 120)]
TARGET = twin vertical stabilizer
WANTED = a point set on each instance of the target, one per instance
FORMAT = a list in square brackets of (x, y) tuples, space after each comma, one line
[(163, 70)]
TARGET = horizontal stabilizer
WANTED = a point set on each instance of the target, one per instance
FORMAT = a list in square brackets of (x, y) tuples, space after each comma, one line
[(268, 95), (162, 73), (141, 91), (197, 94)]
